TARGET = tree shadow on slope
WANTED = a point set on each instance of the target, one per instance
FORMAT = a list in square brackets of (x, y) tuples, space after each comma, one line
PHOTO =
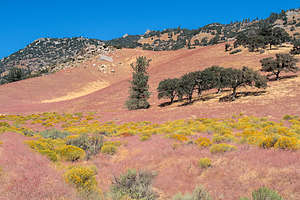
[(201, 98), (230, 98), (282, 78)]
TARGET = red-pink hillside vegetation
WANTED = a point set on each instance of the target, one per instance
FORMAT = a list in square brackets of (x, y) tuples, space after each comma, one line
[(28, 175), (87, 89)]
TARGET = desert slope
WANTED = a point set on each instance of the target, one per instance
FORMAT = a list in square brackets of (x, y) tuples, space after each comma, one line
[(86, 88)]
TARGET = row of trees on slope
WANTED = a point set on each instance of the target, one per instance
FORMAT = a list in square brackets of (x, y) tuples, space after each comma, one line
[(214, 77), (264, 35)]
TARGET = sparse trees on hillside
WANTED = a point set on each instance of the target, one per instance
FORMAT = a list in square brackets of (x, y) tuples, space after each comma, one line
[(186, 86), (218, 76), (204, 80), (264, 35), (282, 63), (16, 74), (210, 78), (235, 78), (296, 47), (168, 89), (139, 89)]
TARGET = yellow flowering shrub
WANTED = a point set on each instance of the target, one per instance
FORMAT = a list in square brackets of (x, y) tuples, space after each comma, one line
[(204, 163), (71, 153), (203, 142), (82, 178), (269, 141), (179, 137), (221, 148), (222, 138), (288, 143)]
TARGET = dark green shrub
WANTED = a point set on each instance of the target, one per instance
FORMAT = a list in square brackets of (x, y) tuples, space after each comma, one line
[(265, 193), (135, 185)]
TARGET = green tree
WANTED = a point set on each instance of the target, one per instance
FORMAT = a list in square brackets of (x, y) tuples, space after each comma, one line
[(218, 76), (235, 78), (167, 89), (186, 86), (282, 63), (296, 47), (139, 89), (204, 80), (16, 74)]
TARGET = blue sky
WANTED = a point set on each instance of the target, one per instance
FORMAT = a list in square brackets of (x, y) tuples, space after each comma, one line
[(23, 21)]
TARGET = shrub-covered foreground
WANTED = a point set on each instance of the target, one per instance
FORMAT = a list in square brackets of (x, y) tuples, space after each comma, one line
[(79, 136)]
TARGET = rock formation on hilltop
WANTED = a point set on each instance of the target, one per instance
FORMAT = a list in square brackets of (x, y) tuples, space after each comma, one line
[(52, 54)]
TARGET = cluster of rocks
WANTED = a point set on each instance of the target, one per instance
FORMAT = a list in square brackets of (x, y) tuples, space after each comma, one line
[(52, 54)]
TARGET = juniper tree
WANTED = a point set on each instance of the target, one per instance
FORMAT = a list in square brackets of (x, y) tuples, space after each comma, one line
[(282, 62), (139, 89)]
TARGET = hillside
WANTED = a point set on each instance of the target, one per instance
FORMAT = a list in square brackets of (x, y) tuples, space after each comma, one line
[(88, 87), (46, 55), (66, 134), (178, 38)]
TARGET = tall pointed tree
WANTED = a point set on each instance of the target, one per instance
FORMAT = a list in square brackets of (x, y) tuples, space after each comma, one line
[(139, 89)]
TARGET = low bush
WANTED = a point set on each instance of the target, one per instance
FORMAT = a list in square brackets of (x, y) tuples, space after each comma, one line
[(133, 185), (90, 144), (199, 193), (179, 137), (203, 142), (50, 154), (47, 147), (4, 124), (269, 141), (71, 153), (54, 134), (205, 163), (221, 148), (288, 143), (145, 137), (83, 179), (264, 193), (222, 138), (109, 149)]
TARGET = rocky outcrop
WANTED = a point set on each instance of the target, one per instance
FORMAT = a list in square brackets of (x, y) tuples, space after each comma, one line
[(52, 54)]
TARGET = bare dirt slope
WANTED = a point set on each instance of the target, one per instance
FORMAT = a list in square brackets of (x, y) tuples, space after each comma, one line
[(86, 88)]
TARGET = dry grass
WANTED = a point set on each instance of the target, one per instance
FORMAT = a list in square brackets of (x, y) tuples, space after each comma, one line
[(85, 90)]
